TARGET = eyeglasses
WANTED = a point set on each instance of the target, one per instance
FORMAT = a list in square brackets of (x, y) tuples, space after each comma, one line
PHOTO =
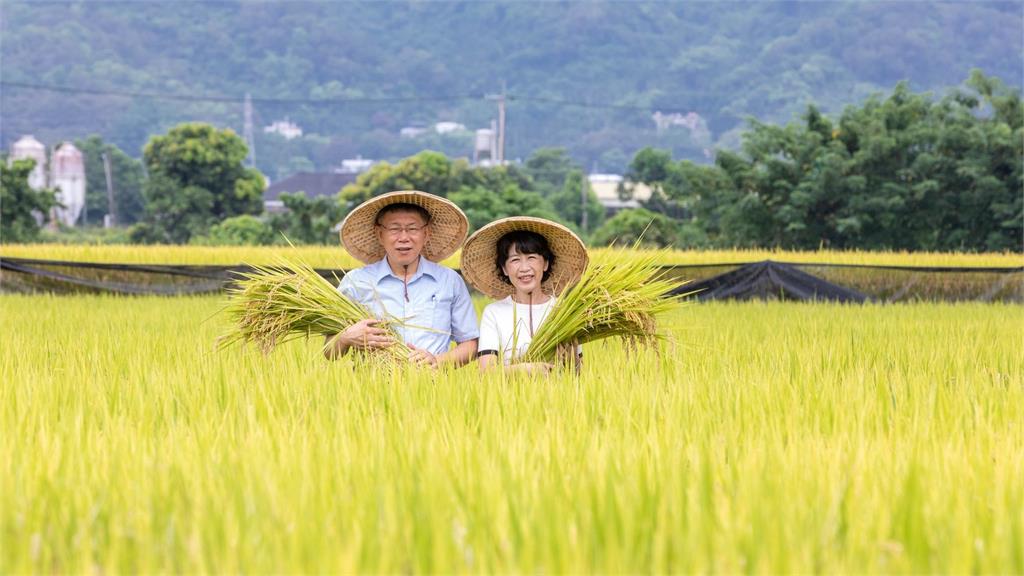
[(396, 231)]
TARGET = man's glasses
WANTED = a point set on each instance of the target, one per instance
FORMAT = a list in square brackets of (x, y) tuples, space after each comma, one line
[(396, 231)]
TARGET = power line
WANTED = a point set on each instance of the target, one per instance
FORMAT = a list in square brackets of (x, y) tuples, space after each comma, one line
[(231, 99), (338, 100)]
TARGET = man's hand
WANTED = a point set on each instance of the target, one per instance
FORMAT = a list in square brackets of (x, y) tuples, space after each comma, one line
[(421, 357), (363, 335), (366, 335)]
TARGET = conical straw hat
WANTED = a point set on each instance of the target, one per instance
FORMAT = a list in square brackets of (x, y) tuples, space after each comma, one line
[(448, 226), (479, 255)]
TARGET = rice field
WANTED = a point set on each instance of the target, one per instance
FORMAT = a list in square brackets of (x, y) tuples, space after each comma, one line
[(336, 257), (768, 437)]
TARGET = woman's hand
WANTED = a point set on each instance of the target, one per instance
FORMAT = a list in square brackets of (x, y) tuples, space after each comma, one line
[(421, 357)]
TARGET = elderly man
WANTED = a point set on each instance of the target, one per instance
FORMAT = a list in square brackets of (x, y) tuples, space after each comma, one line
[(400, 237)]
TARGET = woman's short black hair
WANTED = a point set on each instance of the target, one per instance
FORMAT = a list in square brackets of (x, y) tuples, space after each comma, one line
[(526, 242), (402, 207)]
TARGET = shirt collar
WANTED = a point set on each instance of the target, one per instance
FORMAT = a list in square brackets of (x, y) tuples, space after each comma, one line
[(381, 269)]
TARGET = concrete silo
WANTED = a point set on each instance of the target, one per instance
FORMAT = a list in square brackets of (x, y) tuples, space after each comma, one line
[(28, 147), (68, 176)]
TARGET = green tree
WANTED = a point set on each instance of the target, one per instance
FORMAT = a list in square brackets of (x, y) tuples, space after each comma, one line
[(484, 205), (245, 230), (569, 204), (127, 177), (628, 226), (196, 178), (20, 205), (427, 171), (307, 220), (549, 168)]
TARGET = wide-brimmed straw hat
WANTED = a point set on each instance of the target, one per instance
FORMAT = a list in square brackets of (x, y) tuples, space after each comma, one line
[(480, 253), (448, 226)]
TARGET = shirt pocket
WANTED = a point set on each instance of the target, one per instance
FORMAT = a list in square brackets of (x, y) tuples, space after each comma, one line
[(441, 315)]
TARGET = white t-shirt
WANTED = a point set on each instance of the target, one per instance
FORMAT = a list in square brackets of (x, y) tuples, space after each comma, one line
[(505, 327)]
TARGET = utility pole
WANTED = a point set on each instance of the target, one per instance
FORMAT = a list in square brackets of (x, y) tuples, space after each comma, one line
[(111, 220), (250, 140), (583, 204), (500, 152)]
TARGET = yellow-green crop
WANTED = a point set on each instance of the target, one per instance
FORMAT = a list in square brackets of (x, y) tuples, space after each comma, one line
[(336, 257), (771, 438)]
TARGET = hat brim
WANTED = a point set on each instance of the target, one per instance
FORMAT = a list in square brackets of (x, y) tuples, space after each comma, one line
[(479, 256), (448, 226)]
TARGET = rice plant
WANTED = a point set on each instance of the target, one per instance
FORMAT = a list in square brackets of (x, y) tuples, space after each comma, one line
[(621, 294), (274, 304), (759, 438)]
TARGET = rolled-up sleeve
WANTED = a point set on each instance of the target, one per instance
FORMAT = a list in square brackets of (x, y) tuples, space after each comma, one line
[(464, 324)]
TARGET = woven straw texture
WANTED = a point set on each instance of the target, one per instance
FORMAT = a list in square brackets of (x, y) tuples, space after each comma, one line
[(478, 256), (448, 226)]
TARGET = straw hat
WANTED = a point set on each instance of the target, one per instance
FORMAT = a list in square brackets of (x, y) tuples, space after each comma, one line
[(478, 255), (448, 226)]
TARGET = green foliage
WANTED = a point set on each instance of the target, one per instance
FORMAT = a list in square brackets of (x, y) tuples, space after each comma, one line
[(569, 205), (196, 178), (724, 62), (549, 168), (245, 230), (485, 205), (630, 226), (904, 172), (20, 204), (306, 220), (127, 177)]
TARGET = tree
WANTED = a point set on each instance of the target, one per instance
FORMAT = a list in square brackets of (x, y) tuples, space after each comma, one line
[(483, 205), (427, 171), (628, 226), (569, 204), (245, 230), (196, 178), (549, 168), (20, 205), (307, 220), (127, 177)]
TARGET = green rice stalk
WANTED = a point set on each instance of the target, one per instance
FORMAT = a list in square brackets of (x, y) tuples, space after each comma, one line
[(621, 294), (287, 300)]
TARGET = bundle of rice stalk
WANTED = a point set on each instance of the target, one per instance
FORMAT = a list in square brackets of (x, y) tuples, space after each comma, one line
[(621, 294), (287, 300)]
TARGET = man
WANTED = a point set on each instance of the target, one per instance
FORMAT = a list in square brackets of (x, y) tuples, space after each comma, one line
[(401, 236)]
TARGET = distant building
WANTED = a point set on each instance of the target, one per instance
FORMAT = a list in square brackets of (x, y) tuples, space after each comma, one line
[(314, 184), (285, 128), (449, 127), (68, 176), (412, 132), (356, 165), (485, 147), (28, 147), (606, 188)]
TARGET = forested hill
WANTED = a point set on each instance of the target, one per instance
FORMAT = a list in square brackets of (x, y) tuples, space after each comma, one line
[(587, 76)]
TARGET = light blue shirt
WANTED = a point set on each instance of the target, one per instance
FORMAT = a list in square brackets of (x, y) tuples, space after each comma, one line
[(438, 301)]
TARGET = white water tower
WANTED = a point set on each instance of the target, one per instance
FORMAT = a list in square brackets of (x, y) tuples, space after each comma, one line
[(28, 147), (68, 176)]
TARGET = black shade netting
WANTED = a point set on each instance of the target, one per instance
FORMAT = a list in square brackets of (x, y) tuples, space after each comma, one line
[(756, 280)]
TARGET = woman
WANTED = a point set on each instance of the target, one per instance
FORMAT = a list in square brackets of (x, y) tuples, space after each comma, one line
[(524, 263)]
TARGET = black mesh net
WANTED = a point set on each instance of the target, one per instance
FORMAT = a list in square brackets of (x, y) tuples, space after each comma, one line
[(755, 280)]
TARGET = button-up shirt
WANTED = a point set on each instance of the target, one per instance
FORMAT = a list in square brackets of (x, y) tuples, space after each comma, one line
[(438, 310)]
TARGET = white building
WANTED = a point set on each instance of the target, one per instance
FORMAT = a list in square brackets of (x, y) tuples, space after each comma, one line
[(449, 127), (356, 165), (485, 147), (285, 128), (28, 147), (68, 176), (606, 188)]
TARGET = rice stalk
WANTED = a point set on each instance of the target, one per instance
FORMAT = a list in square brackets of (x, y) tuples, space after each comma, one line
[(288, 300), (621, 294)]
